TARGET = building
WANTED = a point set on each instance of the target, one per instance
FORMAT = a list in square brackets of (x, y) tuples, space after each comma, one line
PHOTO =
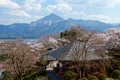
[(64, 54)]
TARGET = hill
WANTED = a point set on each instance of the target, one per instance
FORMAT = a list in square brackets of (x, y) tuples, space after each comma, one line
[(49, 24)]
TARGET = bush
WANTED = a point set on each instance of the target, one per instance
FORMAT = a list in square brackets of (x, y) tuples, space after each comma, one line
[(84, 79), (92, 78), (3, 57), (70, 75), (116, 74), (7, 76), (102, 76), (116, 65), (41, 62)]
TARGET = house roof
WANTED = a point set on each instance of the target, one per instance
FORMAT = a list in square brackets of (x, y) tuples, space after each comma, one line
[(59, 53), (64, 54)]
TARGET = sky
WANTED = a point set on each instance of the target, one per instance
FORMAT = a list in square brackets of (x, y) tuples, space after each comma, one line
[(25, 11)]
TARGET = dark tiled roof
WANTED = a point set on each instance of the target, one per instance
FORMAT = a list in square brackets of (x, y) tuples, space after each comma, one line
[(60, 53), (64, 54)]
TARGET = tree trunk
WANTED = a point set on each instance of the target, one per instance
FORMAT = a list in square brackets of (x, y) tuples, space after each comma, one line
[(79, 70), (84, 69)]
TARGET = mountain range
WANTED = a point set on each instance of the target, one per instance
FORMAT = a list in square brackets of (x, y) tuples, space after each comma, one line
[(50, 24)]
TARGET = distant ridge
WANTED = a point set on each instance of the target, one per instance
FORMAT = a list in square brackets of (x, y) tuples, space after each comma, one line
[(49, 24)]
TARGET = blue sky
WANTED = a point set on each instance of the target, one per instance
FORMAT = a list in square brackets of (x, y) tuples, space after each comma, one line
[(25, 11)]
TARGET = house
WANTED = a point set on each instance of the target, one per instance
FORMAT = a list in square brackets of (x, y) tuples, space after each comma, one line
[(64, 55)]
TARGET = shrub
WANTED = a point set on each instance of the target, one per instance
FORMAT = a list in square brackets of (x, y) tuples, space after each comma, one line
[(70, 75), (3, 57), (116, 74), (84, 79), (116, 65), (92, 78), (102, 76), (7, 76)]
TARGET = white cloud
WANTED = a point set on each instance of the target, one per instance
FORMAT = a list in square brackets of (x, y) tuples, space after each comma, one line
[(19, 20), (33, 5), (34, 9), (103, 18), (34, 18), (75, 15), (112, 3), (92, 3), (35, 1), (9, 4), (103, 3), (99, 17), (80, 14), (60, 8), (19, 13)]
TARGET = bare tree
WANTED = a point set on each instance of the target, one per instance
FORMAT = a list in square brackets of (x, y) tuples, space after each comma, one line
[(19, 58), (82, 50), (84, 44)]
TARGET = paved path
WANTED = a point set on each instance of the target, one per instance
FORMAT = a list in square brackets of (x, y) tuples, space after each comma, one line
[(52, 75)]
